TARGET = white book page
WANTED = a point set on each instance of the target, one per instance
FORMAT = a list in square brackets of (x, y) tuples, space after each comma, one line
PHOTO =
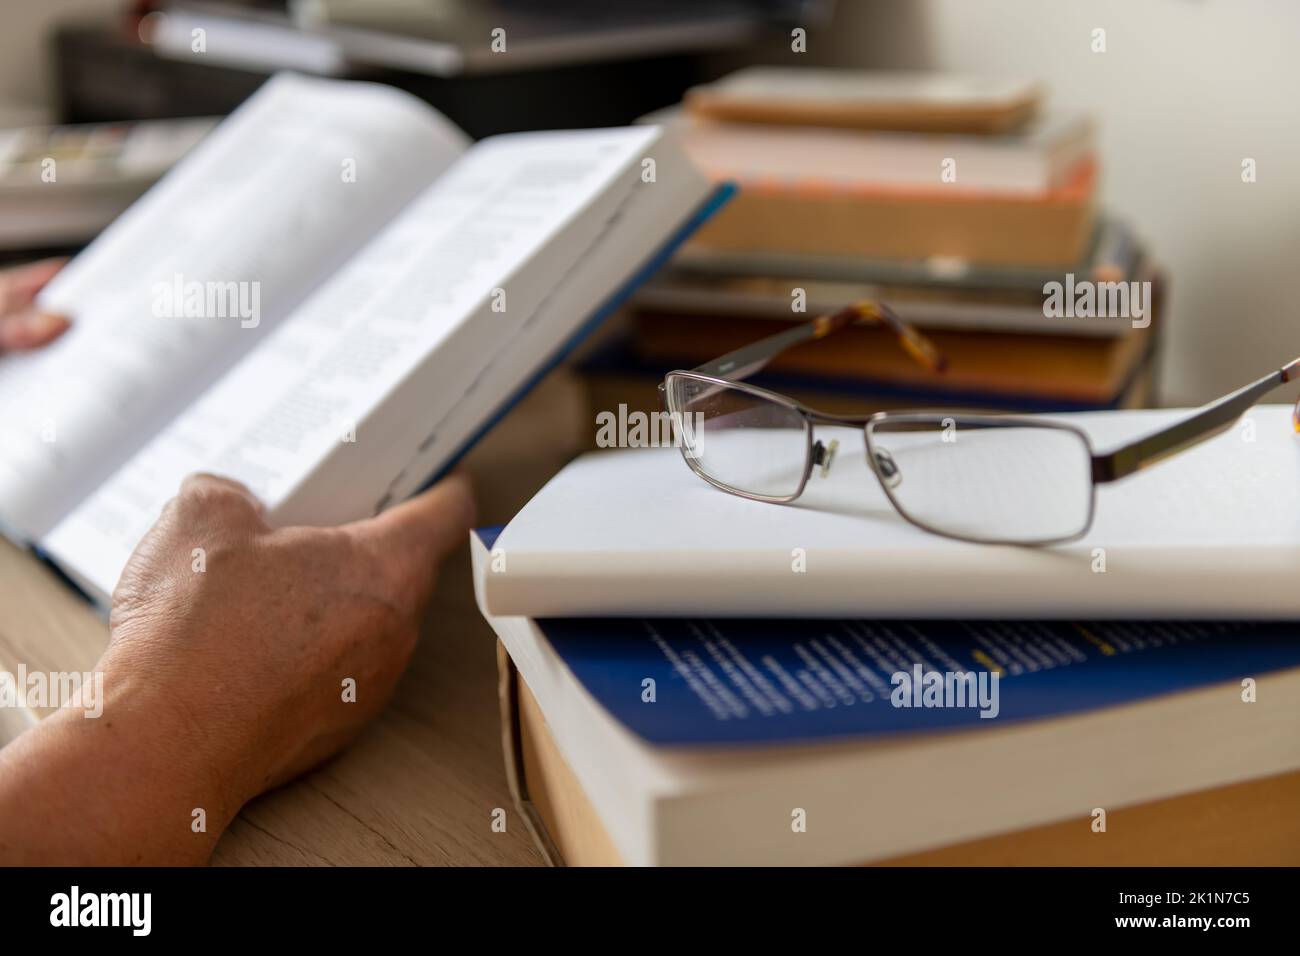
[(280, 195), (515, 213)]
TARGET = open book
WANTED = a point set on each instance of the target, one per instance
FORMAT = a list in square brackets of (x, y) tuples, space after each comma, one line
[(328, 300)]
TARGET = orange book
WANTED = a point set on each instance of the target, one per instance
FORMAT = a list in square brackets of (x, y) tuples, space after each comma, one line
[(823, 218)]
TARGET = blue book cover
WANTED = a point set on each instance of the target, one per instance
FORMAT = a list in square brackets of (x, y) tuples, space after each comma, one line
[(693, 682)]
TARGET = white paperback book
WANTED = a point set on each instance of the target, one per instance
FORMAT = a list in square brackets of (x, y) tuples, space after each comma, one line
[(327, 299), (1213, 532)]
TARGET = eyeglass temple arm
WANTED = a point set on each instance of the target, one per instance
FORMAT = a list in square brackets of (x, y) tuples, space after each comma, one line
[(1211, 420), (750, 359)]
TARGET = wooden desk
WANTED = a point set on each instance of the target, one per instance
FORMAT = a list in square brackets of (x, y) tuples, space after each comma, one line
[(421, 785)]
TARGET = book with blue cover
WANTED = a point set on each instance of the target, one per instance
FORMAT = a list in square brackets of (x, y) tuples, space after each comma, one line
[(703, 740), (722, 682), (725, 681)]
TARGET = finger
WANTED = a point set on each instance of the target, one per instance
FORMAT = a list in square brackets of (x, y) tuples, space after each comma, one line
[(30, 329), (419, 532), (203, 485), (18, 286)]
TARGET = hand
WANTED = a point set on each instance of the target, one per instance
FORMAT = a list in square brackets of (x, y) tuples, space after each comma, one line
[(21, 325), (222, 682)]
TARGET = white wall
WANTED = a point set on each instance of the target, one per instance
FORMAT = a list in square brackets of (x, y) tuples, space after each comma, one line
[(1184, 91)]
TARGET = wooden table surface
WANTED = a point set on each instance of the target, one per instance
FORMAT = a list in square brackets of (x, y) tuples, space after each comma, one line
[(421, 785)]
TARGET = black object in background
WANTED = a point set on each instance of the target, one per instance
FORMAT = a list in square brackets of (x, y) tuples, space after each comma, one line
[(576, 63), (106, 74)]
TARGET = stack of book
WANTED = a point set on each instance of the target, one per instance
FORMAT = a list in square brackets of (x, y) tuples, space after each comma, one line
[(694, 678), (968, 206)]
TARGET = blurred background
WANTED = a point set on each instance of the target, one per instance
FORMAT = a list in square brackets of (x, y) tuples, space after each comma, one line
[(1161, 144)]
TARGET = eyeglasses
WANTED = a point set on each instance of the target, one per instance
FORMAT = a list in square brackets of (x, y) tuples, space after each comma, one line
[(988, 479)]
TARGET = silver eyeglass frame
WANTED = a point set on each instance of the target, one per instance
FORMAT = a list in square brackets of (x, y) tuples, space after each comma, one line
[(729, 370), (812, 417)]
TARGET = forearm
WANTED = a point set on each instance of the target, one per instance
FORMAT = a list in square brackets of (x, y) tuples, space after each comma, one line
[(118, 789)]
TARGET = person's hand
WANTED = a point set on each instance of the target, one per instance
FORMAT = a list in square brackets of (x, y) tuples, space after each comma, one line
[(22, 325), (272, 648), (239, 656)]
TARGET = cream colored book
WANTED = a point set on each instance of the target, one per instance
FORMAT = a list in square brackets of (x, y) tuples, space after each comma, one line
[(866, 99)]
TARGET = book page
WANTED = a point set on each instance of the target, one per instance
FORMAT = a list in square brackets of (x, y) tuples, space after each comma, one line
[(200, 271), (504, 225)]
